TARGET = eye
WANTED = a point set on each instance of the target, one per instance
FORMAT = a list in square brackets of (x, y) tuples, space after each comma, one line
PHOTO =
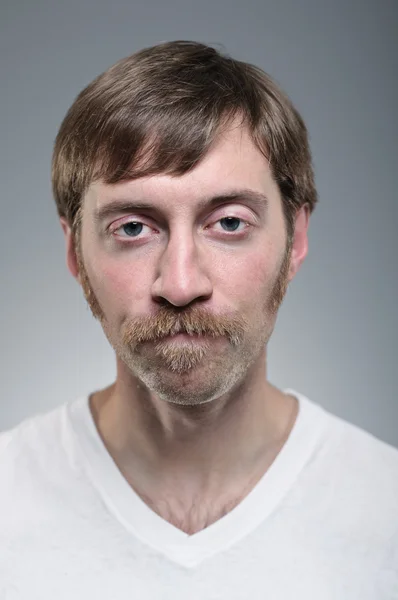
[(132, 229), (231, 223), (231, 227)]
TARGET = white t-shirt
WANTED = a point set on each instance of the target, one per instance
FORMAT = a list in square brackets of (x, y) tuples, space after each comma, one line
[(322, 523)]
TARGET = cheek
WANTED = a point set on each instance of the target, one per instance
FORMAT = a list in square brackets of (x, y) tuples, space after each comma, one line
[(249, 278), (118, 285)]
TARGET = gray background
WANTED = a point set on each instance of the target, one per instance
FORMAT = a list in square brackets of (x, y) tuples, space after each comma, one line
[(336, 335)]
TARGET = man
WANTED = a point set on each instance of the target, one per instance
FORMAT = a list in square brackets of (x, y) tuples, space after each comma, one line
[(184, 186)]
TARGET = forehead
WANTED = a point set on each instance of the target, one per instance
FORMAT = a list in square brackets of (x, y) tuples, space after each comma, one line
[(233, 162)]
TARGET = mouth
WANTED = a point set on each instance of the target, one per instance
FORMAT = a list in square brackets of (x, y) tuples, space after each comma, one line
[(194, 337)]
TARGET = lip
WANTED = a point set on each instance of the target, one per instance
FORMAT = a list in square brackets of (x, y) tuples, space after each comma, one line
[(186, 337)]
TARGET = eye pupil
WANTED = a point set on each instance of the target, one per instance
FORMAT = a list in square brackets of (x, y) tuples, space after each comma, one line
[(131, 228), (231, 222)]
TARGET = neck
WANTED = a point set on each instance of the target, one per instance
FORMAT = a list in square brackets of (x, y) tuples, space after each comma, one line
[(197, 450)]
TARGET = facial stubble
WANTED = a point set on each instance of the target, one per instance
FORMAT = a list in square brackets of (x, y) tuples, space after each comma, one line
[(142, 348)]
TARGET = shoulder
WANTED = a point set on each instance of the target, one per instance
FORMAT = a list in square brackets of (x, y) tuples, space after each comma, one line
[(348, 448), (351, 473), (363, 454), (31, 433), (357, 473), (348, 489), (33, 452), (41, 475)]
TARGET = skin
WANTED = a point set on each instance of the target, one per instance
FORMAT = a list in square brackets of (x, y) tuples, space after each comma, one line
[(191, 421)]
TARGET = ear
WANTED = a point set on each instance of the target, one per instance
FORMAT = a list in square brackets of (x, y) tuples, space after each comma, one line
[(71, 258), (300, 240)]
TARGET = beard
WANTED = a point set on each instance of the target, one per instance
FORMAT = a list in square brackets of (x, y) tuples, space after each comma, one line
[(213, 360)]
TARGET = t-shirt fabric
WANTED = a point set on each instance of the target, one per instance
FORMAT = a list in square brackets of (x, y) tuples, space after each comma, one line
[(321, 524)]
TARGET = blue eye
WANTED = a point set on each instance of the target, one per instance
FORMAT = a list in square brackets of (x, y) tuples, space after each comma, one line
[(132, 228), (231, 222)]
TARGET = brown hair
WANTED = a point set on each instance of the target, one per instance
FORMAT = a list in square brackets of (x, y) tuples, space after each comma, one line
[(159, 110)]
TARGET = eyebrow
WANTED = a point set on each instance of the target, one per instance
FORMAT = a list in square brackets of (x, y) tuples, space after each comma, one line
[(121, 206)]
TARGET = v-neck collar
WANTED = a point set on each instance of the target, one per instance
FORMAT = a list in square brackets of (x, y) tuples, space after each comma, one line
[(180, 547)]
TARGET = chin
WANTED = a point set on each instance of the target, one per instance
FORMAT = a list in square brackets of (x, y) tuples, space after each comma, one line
[(192, 386)]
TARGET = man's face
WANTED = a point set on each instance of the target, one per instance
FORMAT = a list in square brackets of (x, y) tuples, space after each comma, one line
[(216, 273)]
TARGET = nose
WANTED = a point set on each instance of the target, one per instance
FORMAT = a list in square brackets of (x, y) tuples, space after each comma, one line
[(181, 276)]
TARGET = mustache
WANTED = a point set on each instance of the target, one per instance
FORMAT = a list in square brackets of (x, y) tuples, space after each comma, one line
[(195, 321)]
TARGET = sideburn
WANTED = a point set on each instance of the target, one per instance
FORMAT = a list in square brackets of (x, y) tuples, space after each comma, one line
[(84, 280)]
